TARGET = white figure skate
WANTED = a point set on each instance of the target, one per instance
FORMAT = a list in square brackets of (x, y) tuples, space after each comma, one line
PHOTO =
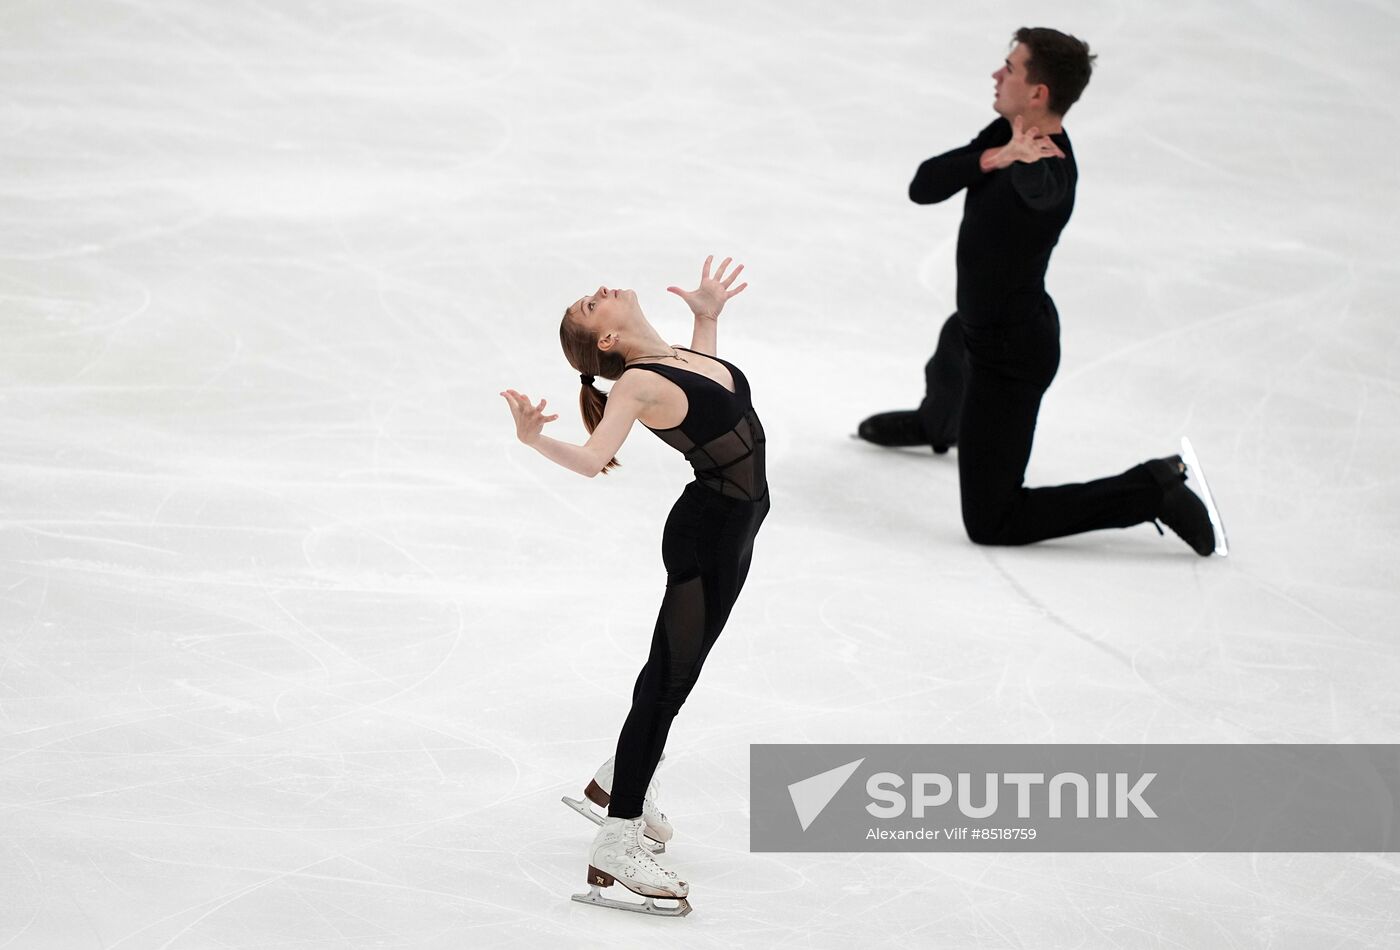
[(1193, 468), (599, 792), (617, 857)]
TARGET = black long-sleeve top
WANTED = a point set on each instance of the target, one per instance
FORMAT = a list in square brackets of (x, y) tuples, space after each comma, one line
[(1012, 218)]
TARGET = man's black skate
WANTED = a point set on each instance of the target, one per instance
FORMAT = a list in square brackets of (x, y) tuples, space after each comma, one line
[(1180, 508), (899, 428)]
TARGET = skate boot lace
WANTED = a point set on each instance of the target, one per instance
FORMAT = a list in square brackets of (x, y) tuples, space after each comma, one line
[(649, 801), (643, 857)]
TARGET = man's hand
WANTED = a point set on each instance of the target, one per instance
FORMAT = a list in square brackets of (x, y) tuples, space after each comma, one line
[(1026, 145)]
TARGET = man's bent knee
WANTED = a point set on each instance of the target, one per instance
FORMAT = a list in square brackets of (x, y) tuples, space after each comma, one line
[(983, 531)]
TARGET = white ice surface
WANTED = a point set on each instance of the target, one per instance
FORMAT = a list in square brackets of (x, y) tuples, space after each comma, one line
[(301, 647)]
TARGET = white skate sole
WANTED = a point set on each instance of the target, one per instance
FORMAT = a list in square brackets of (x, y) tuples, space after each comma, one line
[(596, 879), (1194, 470), (585, 808)]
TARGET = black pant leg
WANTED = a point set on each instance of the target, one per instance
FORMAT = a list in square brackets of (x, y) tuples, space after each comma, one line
[(1009, 370), (707, 547), (945, 376)]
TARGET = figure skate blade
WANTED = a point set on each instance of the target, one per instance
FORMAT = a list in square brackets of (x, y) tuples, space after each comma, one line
[(584, 808), (649, 906), (1194, 471)]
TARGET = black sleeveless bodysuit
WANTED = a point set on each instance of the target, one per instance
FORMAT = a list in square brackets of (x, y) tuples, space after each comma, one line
[(720, 435), (706, 546)]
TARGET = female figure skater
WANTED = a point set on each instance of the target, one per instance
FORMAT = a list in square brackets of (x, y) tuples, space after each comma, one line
[(699, 404)]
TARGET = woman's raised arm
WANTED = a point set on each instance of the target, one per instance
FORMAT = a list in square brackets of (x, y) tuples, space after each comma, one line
[(706, 302)]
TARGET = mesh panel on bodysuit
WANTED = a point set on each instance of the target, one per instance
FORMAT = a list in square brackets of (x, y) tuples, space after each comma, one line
[(706, 548), (733, 463)]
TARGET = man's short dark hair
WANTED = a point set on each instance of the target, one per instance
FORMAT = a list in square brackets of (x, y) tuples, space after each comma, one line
[(1058, 60)]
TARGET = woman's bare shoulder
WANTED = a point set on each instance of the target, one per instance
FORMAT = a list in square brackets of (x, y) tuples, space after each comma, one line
[(637, 383)]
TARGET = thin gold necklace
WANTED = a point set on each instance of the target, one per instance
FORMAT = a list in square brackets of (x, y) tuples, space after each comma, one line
[(673, 355)]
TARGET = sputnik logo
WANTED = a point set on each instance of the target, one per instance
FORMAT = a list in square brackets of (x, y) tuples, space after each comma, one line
[(811, 795)]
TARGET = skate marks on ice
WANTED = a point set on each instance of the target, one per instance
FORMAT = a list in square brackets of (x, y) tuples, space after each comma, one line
[(268, 366)]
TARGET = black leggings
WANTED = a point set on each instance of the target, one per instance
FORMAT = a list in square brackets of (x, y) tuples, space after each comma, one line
[(706, 547), (984, 386)]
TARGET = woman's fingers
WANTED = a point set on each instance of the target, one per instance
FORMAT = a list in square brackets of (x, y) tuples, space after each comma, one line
[(520, 404), (708, 294)]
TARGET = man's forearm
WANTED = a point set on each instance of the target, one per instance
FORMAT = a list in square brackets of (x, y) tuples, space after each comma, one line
[(941, 177)]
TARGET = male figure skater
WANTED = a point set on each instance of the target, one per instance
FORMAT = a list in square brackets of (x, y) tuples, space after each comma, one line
[(999, 352)]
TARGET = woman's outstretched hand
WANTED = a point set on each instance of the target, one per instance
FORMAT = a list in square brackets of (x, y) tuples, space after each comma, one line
[(529, 420), (707, 300)]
